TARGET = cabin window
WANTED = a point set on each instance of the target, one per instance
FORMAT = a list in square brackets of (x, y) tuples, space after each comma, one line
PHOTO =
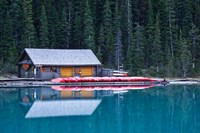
[(43, 69), (77, 70), (25, 66)]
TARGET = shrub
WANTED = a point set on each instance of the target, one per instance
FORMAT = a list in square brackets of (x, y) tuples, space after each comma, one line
[(8, 69)]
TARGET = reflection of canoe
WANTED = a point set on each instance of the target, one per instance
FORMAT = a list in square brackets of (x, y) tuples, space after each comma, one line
[(104, 79), (132, 87)]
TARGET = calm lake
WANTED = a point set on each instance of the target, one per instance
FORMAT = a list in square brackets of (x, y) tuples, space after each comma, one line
[(161, 109)]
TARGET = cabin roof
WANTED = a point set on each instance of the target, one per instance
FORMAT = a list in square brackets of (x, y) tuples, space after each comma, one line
[(62, 108), (64, 57)]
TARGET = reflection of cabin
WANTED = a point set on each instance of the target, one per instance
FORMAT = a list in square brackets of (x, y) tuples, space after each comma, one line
[(55, 108), (46, 102), (31, 94), (53, 63)]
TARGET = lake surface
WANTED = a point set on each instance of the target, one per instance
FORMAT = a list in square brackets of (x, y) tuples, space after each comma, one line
[(164, 109)]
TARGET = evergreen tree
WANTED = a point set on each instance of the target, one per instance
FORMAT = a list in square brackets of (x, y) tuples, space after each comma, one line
[(77, 31), (184, 15), (117, 19), (59, 6), (101, 44), (3, 6), (139, 42), (150, 36), (64, 29), (124, 23), (157, 55), (106, 27), (118, 37), (52, 19), (69, 28), (129, 22), (36, 16), (89, 34), (13, 55), (7, 38), (118, 50), (78, 24), (109, 39), (194, 40), (171, 25), (17, 15), (136, 11), (196, 12), (58, 29), (129, 64), (143, 12), (170, 64), (43, 35), (185, 56), (29, 34), (163, 20)]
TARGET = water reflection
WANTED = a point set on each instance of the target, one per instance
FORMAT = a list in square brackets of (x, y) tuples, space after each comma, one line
[(66, 101), (168, 109)]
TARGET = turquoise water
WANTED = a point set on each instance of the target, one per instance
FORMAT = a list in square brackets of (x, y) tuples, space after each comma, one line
[(166, 109)]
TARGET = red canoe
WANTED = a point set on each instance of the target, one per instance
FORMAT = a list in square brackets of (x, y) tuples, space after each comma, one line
[(104, 79)]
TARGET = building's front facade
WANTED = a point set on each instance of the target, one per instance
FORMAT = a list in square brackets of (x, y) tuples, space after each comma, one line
[(53, 63)]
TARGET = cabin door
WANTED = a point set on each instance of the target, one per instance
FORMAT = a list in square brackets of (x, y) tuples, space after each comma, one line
[(77, 71), (66, 71), (87, 71)]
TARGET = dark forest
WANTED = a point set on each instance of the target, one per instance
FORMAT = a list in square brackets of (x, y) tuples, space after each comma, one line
[(147, 37)]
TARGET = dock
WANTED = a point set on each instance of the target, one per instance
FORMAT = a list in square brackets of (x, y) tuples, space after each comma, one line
[(27, 82)]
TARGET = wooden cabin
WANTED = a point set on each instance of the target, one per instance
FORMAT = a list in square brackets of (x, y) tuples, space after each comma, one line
[(54, 63)]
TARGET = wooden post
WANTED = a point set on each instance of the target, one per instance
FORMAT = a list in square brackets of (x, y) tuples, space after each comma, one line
[(19, 71)]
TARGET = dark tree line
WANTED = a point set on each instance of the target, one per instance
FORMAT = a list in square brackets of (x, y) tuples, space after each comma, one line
[(147, 37)]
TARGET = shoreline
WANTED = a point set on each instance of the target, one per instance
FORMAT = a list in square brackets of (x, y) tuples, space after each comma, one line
[(32, 82)]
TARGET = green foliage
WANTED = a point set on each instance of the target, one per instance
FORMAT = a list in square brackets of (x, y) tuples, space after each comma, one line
[(185, 56), (194, 41), (100, 44), (171, 16), (77, 31), (130, 61), (13, 55), (7, 38), (118, 37), (138, 44), (52, 18), (29, 34), (16, 10), (149, 51), (157, 54), (143, 35), (89, 34), (8, 68), (108, 54), (64, 29), (129, 23), (43, 38)]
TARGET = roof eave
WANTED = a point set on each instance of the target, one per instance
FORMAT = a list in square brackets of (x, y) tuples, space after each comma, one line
[(68, 64)]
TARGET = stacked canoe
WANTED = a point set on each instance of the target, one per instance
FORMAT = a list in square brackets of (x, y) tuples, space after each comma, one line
[(104, 79)]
